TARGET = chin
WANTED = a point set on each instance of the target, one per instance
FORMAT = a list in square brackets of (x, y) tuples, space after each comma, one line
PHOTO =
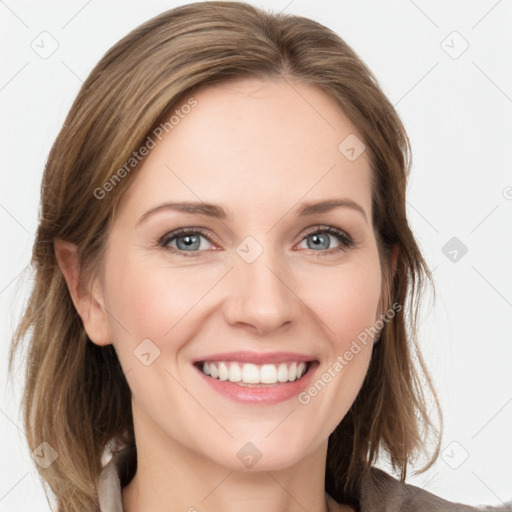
[(260, 454)]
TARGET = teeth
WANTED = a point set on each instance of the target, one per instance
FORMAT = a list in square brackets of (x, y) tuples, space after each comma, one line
[(250, 374), (223, 371), (235, 373), (292, 372), (282, 373), (255, 374), (268, 374)]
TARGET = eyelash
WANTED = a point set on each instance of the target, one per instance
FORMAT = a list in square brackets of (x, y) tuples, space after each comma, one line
[(346, 242)]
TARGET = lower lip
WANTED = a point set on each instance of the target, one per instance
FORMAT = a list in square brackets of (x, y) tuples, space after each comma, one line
[(264, 395)]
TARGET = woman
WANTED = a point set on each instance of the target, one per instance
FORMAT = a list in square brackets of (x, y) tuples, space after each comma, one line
[(226, 284)]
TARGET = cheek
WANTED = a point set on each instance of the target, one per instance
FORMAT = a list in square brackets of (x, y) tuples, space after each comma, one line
[(348, 299), (151, 300), (156, 302), (347, 306)]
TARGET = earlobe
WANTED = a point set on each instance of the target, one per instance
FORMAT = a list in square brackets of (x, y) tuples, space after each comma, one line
[(87, 298)]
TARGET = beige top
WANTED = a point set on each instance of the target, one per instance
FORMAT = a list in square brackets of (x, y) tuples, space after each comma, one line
[(380, 493)]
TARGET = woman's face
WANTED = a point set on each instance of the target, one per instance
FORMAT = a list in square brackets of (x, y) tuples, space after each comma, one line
[(256, 285)]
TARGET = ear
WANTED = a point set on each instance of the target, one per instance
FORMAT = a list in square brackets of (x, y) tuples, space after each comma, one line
[(385, 298), (394, 258), (392, 266), (88, 299)]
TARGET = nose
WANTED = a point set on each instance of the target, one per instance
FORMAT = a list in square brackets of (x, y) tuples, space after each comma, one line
[(262, 295)]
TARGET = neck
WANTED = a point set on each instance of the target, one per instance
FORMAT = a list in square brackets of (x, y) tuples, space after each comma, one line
[(170, 476)]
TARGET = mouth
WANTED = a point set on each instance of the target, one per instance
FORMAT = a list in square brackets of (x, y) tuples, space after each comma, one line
[(254, 375), (257, 378)]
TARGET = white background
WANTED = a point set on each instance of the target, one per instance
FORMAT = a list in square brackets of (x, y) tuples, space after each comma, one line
[(458, 113)]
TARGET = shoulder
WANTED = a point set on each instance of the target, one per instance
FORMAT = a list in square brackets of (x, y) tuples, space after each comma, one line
[(334, 506), (381, 492)]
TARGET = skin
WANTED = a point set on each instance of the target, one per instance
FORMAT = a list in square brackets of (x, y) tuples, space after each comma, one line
[(257, 148)]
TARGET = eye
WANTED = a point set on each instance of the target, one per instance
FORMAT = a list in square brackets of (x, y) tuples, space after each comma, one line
[(319, 240), (187, 240)]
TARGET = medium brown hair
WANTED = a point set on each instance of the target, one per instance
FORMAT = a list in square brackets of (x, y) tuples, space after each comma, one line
[(76, 397)]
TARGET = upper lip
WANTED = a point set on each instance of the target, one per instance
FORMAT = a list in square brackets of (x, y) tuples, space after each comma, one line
[(255, 357)]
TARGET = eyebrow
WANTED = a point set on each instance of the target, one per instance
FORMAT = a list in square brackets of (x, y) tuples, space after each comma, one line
[(218, 212)]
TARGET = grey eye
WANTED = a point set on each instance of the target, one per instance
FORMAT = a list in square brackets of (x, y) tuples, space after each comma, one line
[(319, 240)]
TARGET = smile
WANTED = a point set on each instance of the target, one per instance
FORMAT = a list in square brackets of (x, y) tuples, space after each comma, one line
[(254, 374), (257, 378)]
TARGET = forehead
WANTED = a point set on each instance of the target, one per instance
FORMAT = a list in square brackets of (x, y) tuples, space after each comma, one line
[(252, 143)]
